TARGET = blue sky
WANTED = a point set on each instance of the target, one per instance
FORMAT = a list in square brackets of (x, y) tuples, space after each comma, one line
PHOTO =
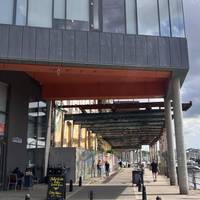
[(191, 87)]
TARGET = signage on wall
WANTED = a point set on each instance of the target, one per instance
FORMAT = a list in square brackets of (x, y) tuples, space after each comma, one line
[(17, 140), (56, 188)]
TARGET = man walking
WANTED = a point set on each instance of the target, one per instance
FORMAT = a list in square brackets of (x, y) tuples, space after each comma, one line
[(154, 169)]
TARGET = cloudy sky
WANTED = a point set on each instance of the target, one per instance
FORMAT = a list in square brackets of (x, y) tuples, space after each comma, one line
[(191, 87)]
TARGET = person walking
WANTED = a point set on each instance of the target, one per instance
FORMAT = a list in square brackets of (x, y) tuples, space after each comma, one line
[(107, 168), (154, 169), (99, 168)]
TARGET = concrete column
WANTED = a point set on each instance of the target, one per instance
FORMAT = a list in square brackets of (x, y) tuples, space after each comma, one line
[(180, 146), (170, 142)]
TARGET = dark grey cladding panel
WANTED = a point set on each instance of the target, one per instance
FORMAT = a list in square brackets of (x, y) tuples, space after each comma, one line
[(152, 51), (106, 48), (175, 52), (141, 51), (184, 53), (118, 48), (129, 50), (4, 31), (164, 51), (81, 47), (29, 44), (15, 42), (93, 48), (55, 50), (42, 45), (68, 46)]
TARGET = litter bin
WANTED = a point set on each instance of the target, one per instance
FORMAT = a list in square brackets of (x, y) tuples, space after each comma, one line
[(137, 177)]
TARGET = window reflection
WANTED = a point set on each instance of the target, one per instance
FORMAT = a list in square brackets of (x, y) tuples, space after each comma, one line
[(113, 16), (21, 8), (96, 14), (40, 13), (59, 14), (6, 11), (131, 16), (77, 14), (148, 17), (177, 19), (164, 18)]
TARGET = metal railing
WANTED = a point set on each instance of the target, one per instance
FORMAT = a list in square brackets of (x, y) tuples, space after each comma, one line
[(195, 179)]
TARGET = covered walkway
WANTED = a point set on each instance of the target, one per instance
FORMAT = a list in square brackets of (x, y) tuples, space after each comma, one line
[(117, 188)]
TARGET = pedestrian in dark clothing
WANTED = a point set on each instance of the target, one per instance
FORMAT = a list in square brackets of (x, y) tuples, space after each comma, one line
[(99, 168), (107, 168), (154, 169), (19, 175)]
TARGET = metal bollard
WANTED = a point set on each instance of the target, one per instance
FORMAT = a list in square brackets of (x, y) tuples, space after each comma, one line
[(70, 186), (80, 181), (27, 197), (144, 194), (91, 195), (158, 198)]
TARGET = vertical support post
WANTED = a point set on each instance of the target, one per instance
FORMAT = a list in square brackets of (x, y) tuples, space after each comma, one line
[(140, 155), (48, 139), (170, 142), (180, 145), (194, 180)]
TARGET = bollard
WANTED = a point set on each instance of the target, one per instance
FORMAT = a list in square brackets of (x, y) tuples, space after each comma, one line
[(144, 194), (27, 197), (91, 195), (80, 181), (158, 198), (70, 186)]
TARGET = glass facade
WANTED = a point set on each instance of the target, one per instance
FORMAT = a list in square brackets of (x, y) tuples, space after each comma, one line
[(142, 17)]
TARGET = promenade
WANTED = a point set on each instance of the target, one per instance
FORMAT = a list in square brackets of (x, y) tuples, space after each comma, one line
[(116, 187)]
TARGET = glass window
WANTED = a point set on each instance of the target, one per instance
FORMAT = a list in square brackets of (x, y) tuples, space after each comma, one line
[(113, 16), (59, 14), (130, 17), (147, 17), (21, 8), (96, 14), (59, 9), (6, 11), (40, 13), (164, 18), (177, 19), (77, 14), (3, 95)]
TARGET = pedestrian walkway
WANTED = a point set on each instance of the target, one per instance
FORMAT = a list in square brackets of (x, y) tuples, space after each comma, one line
[(116, 187)]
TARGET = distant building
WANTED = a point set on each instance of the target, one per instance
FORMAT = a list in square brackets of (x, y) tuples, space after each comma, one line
[(193, 154)]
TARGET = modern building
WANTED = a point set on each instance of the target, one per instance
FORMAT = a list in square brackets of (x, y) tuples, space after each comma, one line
[(87, 49)]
